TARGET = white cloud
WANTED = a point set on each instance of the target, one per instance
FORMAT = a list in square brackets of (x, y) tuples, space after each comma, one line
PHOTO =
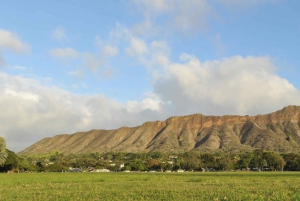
[(246, 3), (217, 41), (91, 61), (78, 74), (153, 103), (188, 17), (59, 34), (10, 41), (64, 53), (137, 47), (23, 95), (19, 67), (233, 85), (110, 50), (81, 85), (145, 28), (176, 15), (31, 111), (106, 48), (2, 60), (153, 6)]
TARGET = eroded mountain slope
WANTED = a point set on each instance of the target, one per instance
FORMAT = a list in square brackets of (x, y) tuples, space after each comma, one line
[(278, 131)]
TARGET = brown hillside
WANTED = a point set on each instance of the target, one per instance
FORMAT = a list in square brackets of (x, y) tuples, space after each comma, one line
[(278, 131)]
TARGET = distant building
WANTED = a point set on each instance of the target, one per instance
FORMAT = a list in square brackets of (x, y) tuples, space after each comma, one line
[(102, 170), (173, 157), (75, 170)]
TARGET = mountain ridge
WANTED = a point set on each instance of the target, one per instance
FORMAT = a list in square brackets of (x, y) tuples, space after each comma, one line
[(277, 131)]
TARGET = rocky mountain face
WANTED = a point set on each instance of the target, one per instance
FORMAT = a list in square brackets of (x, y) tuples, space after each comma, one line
[(278, 131)]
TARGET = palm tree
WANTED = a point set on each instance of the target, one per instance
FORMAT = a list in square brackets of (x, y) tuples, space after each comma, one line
[(3, 153)]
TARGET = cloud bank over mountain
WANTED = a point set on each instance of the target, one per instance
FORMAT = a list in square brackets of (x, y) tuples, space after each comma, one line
[(140, 61)]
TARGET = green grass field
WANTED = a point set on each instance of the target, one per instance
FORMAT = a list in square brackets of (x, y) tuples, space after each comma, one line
[(150, 186)]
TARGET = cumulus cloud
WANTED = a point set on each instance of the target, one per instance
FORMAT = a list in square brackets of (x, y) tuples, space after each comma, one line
[(19, 67), (217, 41), (59, 34), (78, 74), (91, 61), (176, 15), (146, 27), (11, 42), (33, 109), (189, 16), (137, 47), (246, 3), (2, 60), (156, 6), (64, 53), (110, 50), (106, 48), (233, 85)]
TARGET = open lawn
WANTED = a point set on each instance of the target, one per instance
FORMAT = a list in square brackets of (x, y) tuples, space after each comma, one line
[(151, 186)]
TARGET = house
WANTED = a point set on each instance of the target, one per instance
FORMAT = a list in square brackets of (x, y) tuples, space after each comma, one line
[(256, 169), (75, 170), (210, 170), (103, 170), (172, 157)]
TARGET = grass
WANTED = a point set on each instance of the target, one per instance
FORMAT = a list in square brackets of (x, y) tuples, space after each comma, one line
[(150, 186)]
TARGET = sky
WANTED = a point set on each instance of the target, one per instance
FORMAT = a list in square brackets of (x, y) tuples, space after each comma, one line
[(69, 66)]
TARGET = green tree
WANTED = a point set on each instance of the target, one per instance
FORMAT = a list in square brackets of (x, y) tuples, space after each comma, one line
[(274, 160), (3, 152), (227, 162), (192, 161), (138, 164), (209, 160), (54, 168), (257, 160), (85, 163), (153, 164), (11, 162), (244, 160), (292, 162), (167, 166), (25, 165)]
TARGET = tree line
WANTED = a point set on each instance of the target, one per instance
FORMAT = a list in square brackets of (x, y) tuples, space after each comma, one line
[(56, 161)]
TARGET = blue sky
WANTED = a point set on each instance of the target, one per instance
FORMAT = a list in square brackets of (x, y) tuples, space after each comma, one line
[(68, 66)]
